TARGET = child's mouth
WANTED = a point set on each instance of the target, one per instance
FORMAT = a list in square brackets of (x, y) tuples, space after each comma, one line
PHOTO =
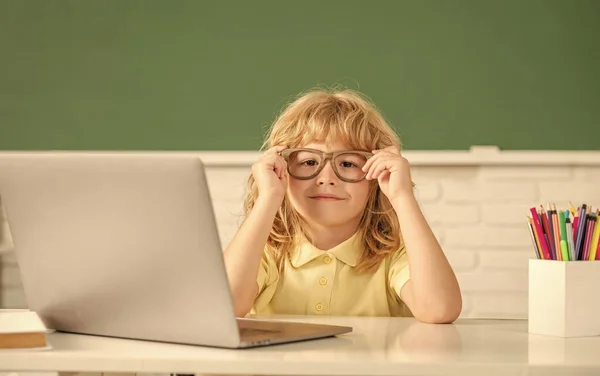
[(326, 198)]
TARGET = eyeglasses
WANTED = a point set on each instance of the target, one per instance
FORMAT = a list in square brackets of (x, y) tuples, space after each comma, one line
[(305, 164)]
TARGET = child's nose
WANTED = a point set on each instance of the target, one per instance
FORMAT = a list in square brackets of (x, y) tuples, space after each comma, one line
[(327, 176)]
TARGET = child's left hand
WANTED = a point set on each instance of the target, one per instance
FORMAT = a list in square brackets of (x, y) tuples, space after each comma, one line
[(392, 171)]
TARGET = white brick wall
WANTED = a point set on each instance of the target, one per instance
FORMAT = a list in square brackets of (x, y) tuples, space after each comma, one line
[(476, 203)]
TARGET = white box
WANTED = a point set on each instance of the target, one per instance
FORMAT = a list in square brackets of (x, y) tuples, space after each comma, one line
[(564, 298)]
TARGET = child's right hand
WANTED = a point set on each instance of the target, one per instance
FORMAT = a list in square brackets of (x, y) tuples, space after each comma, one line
[(270, 174)]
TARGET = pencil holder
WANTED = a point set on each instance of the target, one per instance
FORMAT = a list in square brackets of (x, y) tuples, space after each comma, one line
[(564, 298)]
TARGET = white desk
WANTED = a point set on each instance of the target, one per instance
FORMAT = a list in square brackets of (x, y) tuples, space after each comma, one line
[(378, 346)]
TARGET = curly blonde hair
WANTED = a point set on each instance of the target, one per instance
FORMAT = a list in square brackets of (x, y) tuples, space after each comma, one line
[(331, 116)]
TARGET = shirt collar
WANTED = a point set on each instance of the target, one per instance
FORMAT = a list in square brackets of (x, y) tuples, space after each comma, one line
[(347, 252)]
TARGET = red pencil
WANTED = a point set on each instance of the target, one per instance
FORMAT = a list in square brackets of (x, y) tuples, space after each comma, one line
[(546, 229), (597, 245), (540, 232), (576, 221)]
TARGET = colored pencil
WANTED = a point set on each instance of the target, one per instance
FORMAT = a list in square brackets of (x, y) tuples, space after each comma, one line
[(534, 238), (556, 232), (579, 238), (589, 229), (547, 229), (595, 236), (563, 236), (569, 226), (538, 228)]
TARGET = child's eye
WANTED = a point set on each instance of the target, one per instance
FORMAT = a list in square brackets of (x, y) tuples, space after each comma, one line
[(310, 162), (348, 164)]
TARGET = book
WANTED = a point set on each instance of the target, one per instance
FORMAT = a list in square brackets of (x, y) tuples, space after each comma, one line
[(22, 329)]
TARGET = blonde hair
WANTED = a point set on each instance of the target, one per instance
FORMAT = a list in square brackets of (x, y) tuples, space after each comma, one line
[(331, 116)]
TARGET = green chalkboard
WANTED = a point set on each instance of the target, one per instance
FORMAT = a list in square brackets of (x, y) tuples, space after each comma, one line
[(212, 75)]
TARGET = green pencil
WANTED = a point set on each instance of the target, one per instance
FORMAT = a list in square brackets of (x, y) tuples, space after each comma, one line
[(563, 236)]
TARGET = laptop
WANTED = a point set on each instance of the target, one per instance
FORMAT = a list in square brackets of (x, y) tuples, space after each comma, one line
[(126, 245)]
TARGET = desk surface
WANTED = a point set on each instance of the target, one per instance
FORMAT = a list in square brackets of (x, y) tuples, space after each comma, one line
[(377, 346)]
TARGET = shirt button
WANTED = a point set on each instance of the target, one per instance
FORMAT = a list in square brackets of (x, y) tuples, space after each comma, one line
[(322, 281), (327, 259), (319, 307)]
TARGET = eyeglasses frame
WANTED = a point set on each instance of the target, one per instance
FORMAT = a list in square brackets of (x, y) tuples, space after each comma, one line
[(325, 156)]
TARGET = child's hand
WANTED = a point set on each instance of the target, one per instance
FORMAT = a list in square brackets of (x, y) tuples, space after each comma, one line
[(270, 174), (391, 170)]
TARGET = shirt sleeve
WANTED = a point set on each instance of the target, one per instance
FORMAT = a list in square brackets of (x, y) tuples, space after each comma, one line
[(399, 272), (267, 279)]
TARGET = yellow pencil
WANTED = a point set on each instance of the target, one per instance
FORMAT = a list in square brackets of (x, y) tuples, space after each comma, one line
[(572, 208)]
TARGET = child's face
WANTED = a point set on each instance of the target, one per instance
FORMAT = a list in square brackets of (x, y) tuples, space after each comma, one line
[(326, 200)]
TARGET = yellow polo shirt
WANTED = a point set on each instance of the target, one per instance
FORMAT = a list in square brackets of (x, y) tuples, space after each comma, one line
[(325, 282)]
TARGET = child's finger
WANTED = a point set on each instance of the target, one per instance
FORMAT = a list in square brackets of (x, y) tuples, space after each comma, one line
[(369, 165), (276, 149), (390, 149), (383, 175), (369, 162), (377, 168), (283, 167), (280, 167), (281, 163), (274, 162), (381, 167)]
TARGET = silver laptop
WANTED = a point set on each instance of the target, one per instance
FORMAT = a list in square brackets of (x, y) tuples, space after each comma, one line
[(126, 245)]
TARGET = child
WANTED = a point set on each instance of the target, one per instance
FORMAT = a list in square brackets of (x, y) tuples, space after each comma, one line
[(332, 226)]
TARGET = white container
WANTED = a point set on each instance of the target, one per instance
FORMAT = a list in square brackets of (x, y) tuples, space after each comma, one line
[(564, 298)]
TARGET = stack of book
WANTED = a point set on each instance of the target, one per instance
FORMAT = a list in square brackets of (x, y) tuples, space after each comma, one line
[(22, 329)]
